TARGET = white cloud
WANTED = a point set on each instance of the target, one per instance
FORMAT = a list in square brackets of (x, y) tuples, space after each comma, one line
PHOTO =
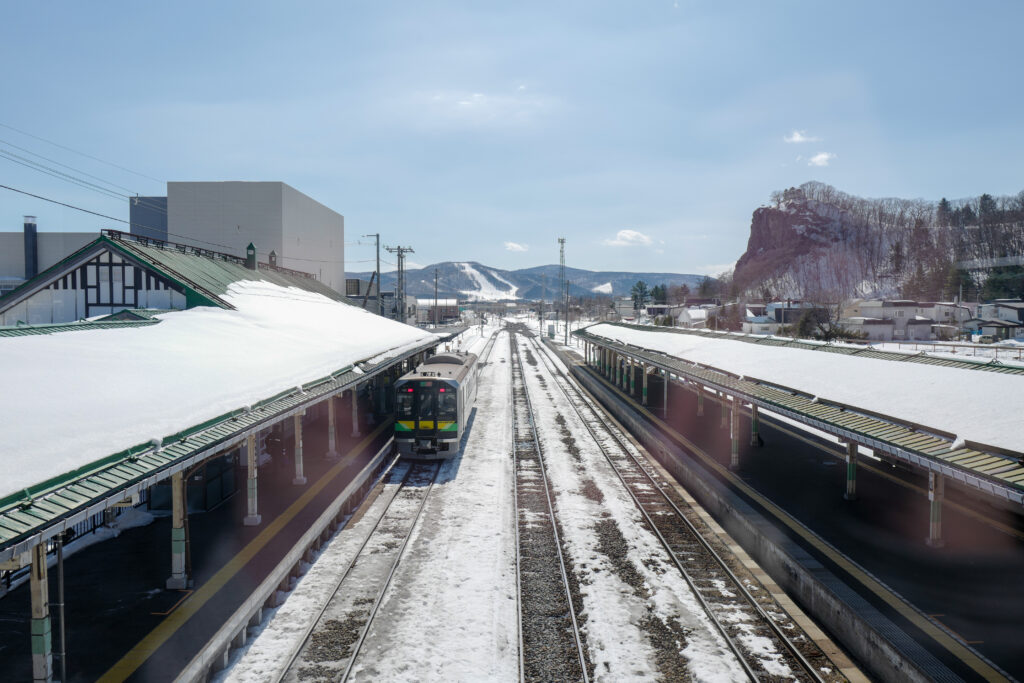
[(821, 159), (515, 246), (460, 108), (798, 136), (629, 238)]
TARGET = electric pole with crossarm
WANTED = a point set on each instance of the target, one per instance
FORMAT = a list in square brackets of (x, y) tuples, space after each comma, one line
[(400, 287)]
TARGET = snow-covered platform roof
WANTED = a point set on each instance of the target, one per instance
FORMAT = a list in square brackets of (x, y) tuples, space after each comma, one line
[(956, 413), (131, 402)]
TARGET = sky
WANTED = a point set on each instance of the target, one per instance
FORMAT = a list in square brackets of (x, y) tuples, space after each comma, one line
[(645, 133)]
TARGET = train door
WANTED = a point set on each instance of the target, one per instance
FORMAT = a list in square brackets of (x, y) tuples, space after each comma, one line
[(426, 409)]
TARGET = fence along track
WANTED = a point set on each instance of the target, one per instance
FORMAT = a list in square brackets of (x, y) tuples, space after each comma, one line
[(685, 544), (551, 647), (332, 642)]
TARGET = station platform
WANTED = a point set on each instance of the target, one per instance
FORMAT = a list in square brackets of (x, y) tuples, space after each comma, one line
[(121, 622), (968, 590)]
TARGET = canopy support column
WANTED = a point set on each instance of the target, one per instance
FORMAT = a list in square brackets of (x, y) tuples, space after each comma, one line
[(755, 438), (300, 478), (355, 410), (179, 536), (734, 437), (700, 401), (724, 421), (42, 637), (643, 370), (332, 440), (936, 492), (632, 378), (664, 398), (252, 517), (851, 472)]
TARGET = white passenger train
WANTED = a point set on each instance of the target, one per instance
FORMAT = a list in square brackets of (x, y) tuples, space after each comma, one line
[(433, 405)]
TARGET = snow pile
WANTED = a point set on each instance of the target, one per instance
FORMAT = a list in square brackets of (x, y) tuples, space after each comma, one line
[(485, 290), (75, 397), (606, 288), (976, 405)]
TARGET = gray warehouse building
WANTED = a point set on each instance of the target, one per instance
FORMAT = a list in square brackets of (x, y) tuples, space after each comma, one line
[(227, 216)]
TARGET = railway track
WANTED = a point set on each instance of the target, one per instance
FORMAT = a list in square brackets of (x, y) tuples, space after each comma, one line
[(550, 645), (332, 643), (742, 617)]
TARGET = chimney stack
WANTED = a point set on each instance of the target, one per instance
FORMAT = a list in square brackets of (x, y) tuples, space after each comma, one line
[(250, 256), (31, 248), (273, 258)]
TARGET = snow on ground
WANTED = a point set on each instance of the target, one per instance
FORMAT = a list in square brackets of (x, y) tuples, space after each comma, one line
[(619, 646), (451, 612), (268, 654), (485, 290), (75, 397), (606, 288), (973, 404)]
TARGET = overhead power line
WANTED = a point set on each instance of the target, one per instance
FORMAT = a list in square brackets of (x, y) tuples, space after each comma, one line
[(88, 156)]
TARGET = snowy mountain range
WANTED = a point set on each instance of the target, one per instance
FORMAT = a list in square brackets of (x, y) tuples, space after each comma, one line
[(474, 281)]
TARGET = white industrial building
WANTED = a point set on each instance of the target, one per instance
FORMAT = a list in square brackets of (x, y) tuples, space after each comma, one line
[(227, 216)]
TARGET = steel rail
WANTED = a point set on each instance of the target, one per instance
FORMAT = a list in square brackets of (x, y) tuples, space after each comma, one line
[(391, 574), (344, 575), (518, 364), (563, 382)]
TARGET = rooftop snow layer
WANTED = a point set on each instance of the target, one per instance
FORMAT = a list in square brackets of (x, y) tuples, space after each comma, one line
[(75, 397), (984, 407)]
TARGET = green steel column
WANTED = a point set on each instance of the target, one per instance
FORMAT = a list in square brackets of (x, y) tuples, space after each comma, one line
[(252, 517), (355, 411), (734, 437), (664, 398), (936, 491), (851, 472), (178, 580), (332, 445), (618, 371), (632, 378), (42, 640), (300, 478), (755, 438), (643, 369)]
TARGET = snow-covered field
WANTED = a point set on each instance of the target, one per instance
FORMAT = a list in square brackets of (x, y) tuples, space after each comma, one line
[(486, 291), (973, 404), (74, 397)]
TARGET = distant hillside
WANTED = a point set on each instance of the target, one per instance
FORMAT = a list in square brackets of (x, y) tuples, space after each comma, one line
[(472, 280), (815, 241)]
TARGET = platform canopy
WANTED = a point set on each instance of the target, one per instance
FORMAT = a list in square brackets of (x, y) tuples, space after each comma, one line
[(144, 392)]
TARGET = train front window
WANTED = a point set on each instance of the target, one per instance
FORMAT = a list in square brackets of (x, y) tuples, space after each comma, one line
[(406, 402), (447, 404), (425, 399)]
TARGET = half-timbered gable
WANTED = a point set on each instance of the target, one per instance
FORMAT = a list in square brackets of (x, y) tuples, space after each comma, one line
[(118, 271)]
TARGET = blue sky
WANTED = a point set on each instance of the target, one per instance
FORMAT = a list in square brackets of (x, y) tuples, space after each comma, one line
[(644, 132)]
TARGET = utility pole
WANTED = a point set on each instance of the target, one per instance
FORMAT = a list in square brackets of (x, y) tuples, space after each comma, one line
[(380, 302), (567, 316), (435, 297), (400, 289), (561, 271), (543, 295), (562, 289)]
